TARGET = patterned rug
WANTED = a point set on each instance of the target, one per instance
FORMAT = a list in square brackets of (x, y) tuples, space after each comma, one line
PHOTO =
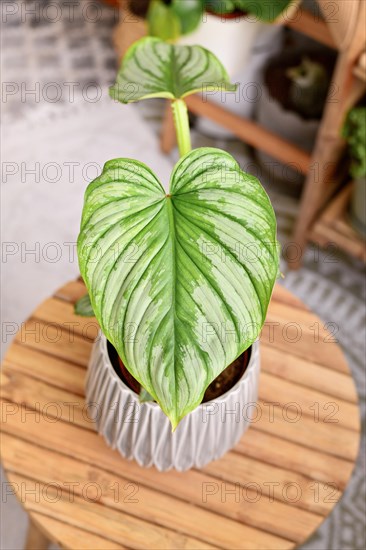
[(44, 45)]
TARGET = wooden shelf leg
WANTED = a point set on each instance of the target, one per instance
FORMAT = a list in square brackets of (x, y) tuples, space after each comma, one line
[(318, 186), (321, 181), (168, 138), (36, 540)]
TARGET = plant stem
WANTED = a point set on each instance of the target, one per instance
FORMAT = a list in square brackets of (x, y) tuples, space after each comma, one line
[(181, 122)]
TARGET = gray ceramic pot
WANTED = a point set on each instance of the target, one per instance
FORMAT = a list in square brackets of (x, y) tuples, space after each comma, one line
[(143, 432)]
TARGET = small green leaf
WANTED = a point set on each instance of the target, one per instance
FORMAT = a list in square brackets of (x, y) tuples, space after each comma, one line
[(145, 396), (83, 307), (163, 22), (180, 283), (354, 131), (153, 68), (190, 13)]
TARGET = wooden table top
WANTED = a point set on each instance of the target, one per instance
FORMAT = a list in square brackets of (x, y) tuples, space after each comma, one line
[(272, 491)]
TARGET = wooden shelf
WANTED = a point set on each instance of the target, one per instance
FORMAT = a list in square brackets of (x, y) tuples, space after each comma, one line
[(360, 68), (347, 35), (333, 226), (309, 24), (251, 132)]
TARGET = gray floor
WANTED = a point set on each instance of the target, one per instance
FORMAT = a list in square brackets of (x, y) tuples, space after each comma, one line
[(39, 51)]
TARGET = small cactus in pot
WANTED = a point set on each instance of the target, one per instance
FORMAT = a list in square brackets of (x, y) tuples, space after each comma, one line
[(309, 86)]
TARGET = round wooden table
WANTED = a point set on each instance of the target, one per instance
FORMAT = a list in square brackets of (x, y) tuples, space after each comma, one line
[(272, 491)]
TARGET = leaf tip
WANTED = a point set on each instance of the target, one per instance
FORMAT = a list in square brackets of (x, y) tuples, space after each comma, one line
[(174, 424)]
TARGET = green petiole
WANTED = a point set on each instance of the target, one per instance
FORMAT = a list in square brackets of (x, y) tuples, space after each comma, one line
[(181, 122)]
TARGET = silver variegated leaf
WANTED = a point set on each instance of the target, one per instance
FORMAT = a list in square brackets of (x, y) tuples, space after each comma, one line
[(153, 68), (180, 283)]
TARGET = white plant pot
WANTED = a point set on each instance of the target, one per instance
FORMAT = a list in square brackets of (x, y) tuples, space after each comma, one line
[(288, 125), (141, 431), (231, 40), (243, 47)]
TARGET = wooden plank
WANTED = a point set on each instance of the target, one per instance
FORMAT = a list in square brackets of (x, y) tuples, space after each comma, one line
[(237, 502), (49, 369), (281, 294), (344, 227), (354, 246), (36, 539), (244, 470), (336, 207), (61, 312), (266, 447), (114, 492), (311, 25), (72, 291), (305, 373), (360, 69), (51, 400), (334, 227), (97, 519), (276, 483), (341, 19), (88, 446), (303, 335), (44, 401), (331, 439), (74, 538), (57, 340), (318, 406), (251, 133)]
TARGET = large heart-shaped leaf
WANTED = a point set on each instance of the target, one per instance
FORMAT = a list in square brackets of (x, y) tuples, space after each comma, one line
[(153, 68), (180, 283)]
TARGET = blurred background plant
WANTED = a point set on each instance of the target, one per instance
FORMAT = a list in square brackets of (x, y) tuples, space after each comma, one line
[(354, 132), (170, 19)]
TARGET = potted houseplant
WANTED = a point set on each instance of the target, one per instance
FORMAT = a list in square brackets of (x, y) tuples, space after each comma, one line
[(228, 28), (179, 280), (238, 32), (295, 89), (354, 131)]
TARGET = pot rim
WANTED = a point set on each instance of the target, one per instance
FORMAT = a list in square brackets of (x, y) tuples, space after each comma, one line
[(228, 16), (254, 350)]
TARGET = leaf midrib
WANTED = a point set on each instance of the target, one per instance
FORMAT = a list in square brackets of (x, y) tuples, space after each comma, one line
[(172, 231)]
